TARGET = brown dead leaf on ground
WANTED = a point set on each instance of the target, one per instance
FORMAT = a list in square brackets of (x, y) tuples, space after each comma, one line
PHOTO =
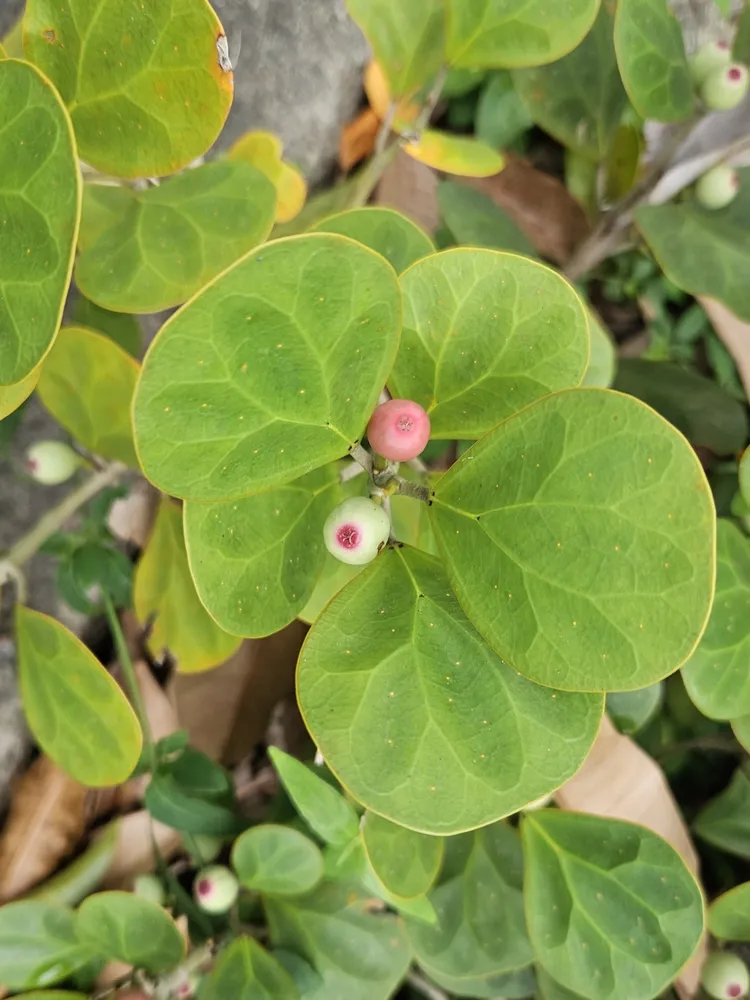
[(46, 822), (410, 187), (134, 853), (734, 334), (357, 139)]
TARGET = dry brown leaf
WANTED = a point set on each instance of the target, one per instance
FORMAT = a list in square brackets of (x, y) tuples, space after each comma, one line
[(47, 820), (357, 139), (132, 517), (134, 853), (734, 334), (410, 187)]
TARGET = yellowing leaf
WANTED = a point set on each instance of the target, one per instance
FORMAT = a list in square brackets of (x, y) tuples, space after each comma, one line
[(11, 396), (455, 154), (291, 191), (263, 150), (379, 95)]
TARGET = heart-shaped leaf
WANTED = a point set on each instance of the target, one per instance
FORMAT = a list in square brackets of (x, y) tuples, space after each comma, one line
[(87, 384), (76, 711), (651, 56), (12, 396), (729, 914), (474, 219), (716, 675), (245, 971), (172, 239), (148, 86), (515, 32), (321, 806), (38, 945), (255, 561), (123, 328), (389, 233), (485, 334), (455, 154), (468, 743), (273, 370), (519, 515), (725, 820), (611, 908), (126, 927), (406, 862), (263, 150), (40, 204), (277, 861)]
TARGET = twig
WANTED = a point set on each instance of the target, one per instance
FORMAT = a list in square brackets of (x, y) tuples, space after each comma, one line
[(363, 457), (432, 99), (420, 984), (350, 472)]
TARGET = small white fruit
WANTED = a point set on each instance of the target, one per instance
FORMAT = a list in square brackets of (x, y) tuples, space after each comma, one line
[(51, 462), (356, 530), (216, 889), (709, 58), (718, 187), (725, 976), (723, 89)]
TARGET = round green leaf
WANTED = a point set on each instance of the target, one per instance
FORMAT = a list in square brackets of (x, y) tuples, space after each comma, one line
[(277, 860), (741, 730), (148, 85), (126, 927), (716, 675), (40, 204), (632, 710), (389, 233), (38, 945), (76, 711), (611, 908), (406, 862), (124, 329), (474, 219), (245, 971), (271, 371), (255, 561), (13, 396), (603, 359), (579, 537), (485, 334), (729, 914), (87, 384), (515, 32), (725, 820), (417, 716), (516, 985), (171, 240), (321, 806)]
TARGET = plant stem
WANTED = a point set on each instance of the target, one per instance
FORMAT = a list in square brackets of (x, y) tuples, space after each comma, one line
[(420, 984)]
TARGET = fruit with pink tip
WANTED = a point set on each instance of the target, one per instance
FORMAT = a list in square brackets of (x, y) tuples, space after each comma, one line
[(710, 57), (356, 530), (725, 976), (718, 187), (399, 430), (216, 889), (51, 462), (725, 88)]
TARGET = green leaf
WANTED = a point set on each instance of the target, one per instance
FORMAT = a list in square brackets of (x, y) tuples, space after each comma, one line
[(697, 406), (54, 995), (611, 908), (501, 117), (277, 861), (510, 986), (651, 56), (38, 945), (321, 806), (87, 384), (123, 926), (358, 955), (632, 710), (164, 587), (579, 99), (550, 989), (745, 475), (475, 220), (741, 730), (408, 39), (407, 863), (389, 233), (482, 931), (83, 875), (729, 914), (147, 86), (515, 32), (468, 743), (172, 240), (454, 154), (76, 711), (716, 675), (303, 974), (273, 370), (255, 561), (333, 577), (14, 396), (104, 206), (603, 358), (519, 515), (245, 971), (185, 808), (40, 204), (485, 334), (124, 329), (725, 821), (741, 44)]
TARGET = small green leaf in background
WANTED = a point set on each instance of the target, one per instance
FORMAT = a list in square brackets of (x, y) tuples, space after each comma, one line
[(87, 384), (408, 39), (194, 794), (475, 220), (90, 569), (501, 117), (245, 971), (389, 233), (485, 334), (173, 239), (40, 202), (741, 45), (729, 914), (38, 945), (611, 908), (164, 588), (104, 206), (255, 561), (602, 358), (277, 860), (482, 930), (696, 405), (471, 742), (147, 90), (123, 328), (123, 926), (651, 56), (745, 475), (580, 98), (498, 33), (13, 396), (290, 349), (622, 162), (741, 730), (78, 714), (632, 710), (322, 807), (407, 863), (454, 154), (716, 675), (54, 995), (519, 514), (725, 821)]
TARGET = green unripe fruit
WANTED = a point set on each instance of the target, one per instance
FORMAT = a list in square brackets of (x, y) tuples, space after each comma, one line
[(710, 57), (216, 889), (725, 88), (725, 976), (51, 462), (718, 187), (150, 888), (356, 530), (207, 849)]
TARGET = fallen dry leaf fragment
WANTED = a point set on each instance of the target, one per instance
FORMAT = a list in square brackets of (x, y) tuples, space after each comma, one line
[(410, 187), (357, 139), (734, 334), (134, 854)]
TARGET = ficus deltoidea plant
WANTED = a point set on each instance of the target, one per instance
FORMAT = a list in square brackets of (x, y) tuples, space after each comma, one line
[(469, 609)]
